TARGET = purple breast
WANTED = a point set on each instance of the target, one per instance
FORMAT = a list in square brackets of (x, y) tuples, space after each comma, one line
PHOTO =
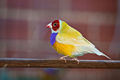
[(53, 38)]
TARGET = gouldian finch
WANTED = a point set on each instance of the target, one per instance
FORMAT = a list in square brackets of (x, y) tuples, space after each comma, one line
[(70, 42)]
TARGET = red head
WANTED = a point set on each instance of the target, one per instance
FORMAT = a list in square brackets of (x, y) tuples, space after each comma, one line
[(55, 25)]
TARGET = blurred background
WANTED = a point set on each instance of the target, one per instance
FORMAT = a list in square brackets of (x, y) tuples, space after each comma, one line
[(23, 34)]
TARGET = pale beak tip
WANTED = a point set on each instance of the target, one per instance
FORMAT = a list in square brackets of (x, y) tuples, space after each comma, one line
[(48, 26)]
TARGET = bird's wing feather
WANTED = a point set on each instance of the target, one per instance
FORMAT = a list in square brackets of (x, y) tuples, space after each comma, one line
[(73, 37)]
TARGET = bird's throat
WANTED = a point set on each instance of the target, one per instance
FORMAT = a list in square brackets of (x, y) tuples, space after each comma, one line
[(53, 38)]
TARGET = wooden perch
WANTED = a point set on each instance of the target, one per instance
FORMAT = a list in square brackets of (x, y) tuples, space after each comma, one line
[(38, 63)]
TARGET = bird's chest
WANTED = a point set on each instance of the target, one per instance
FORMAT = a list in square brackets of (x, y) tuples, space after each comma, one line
[(64, 49), (53, 38)]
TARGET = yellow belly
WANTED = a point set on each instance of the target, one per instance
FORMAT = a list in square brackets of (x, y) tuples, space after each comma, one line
[(64, 48)]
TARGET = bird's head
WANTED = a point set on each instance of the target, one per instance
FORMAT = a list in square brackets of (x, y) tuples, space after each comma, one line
[(55, 26)]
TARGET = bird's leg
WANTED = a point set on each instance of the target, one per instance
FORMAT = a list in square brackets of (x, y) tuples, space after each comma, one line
[(76, 60), (63, 58)]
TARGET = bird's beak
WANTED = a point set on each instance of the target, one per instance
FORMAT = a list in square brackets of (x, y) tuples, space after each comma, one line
[(49, 25)]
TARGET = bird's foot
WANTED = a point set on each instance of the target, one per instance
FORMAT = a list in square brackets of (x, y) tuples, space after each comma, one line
[(63, 58), (76, 60)]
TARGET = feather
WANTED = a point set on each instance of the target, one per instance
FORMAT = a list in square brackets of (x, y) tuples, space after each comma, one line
[(96, 51), (52, 38), (69, 35)]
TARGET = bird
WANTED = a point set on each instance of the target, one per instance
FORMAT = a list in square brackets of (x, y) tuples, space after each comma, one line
[(69, 42)]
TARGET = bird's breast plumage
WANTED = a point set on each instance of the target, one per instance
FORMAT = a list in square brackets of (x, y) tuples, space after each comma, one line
[(53, 38), (64, 49)]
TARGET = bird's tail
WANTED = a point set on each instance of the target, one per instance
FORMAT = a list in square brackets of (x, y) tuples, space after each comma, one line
[(96, 51)]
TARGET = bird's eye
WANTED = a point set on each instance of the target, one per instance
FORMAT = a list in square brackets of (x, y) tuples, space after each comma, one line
[(54, 25)]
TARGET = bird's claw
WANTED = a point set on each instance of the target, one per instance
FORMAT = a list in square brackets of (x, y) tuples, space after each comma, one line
[(76, 60), (63, 58)]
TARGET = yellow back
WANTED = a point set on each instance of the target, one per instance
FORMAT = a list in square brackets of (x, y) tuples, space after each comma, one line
[(66, 30), (69, 35)]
